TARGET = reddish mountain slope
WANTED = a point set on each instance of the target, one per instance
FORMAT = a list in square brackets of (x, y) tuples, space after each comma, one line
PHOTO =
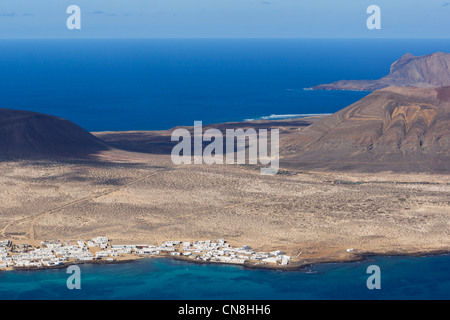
[(396, 128), (425, 71)]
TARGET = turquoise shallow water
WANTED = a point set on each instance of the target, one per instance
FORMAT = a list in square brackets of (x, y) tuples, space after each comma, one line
[(401, 278)]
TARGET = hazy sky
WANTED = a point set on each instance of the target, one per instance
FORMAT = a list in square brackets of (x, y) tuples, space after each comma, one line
[(224, 18)]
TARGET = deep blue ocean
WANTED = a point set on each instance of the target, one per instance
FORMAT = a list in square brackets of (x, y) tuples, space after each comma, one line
[(158, 84)]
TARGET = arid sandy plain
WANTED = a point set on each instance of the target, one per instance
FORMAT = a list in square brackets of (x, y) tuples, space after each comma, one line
[(144, 198)]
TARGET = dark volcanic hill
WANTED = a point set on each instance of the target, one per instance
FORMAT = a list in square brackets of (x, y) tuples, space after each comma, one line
[(425, 71), (392, 129), (25, 134)]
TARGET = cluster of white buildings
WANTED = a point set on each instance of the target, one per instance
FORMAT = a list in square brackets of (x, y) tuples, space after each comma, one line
[(5, 260), (218, 251), (222, 252), (101, 242), (53, 253)]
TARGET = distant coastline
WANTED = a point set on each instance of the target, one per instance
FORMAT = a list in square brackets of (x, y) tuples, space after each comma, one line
[(292, 268), (286, 116), (250, 101)]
